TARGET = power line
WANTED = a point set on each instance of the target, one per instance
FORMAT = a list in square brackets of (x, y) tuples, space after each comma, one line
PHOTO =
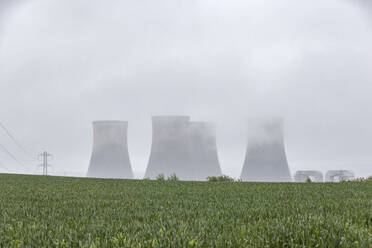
[(12, 156), (4, 167), (15, 141)]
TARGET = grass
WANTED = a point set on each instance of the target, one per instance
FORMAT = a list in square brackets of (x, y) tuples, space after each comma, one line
[(37, 211)]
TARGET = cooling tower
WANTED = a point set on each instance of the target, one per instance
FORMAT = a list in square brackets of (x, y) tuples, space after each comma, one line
[(203, 151), (266, 159), (303, 176), (339, 175), (170, 147), (110, 157)]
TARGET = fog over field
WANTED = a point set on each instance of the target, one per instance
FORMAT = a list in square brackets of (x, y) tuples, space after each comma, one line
[(66, 63)]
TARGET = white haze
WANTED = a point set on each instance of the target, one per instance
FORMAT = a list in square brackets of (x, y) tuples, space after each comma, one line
[(66, 63)]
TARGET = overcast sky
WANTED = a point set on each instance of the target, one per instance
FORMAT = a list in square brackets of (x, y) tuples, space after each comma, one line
[(64, 64)]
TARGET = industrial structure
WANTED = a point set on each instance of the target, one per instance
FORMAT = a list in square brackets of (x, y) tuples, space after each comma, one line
[(110, 157), (45, 165), (170, 150), (305, 175), (203, 151), (339, 175), (189, 150), (266, 159)]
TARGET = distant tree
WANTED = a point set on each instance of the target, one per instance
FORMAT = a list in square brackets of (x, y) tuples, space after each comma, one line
[(160, 177), (173, 177), (212, 179), (147, 179), (222, 178), (308, 180), (362, 179)]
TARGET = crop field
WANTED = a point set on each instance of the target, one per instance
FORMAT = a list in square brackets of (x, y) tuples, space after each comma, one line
[(37, 211)]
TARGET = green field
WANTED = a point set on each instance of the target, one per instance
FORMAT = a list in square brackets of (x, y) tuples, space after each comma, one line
[(37, 211)]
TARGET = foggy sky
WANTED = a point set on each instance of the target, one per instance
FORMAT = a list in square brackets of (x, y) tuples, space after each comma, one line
[(64, 64)]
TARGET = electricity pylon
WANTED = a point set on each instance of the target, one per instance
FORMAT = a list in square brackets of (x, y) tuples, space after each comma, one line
[(45, 155)]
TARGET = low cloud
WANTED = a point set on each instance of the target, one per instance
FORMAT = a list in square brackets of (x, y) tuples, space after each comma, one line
[(67, 63)]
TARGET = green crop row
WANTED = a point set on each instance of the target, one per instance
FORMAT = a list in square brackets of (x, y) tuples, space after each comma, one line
[(37, 211)]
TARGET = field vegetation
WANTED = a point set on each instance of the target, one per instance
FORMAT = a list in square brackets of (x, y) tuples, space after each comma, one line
[(222, 178), (41, 211)]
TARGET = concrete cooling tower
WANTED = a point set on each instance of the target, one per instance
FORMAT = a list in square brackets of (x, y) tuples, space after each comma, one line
[(203, 151), (339, 175), (303, 176), (266, 159), (110, 157), (170, 147)]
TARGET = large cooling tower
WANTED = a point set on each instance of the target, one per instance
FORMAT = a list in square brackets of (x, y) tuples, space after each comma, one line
[(303, 176), (110, 158), (203, 151), (170, 147), (339, 175), (266, 159)]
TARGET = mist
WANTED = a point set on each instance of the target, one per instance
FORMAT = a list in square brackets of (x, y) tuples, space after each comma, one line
[(64, 64)]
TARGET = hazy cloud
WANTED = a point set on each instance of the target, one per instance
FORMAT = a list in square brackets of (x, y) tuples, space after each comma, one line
[(66, 63)]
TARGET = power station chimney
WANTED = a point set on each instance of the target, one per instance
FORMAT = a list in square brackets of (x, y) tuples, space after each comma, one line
[(110, 157), (170, 147), (266, 159), (203, 151)]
